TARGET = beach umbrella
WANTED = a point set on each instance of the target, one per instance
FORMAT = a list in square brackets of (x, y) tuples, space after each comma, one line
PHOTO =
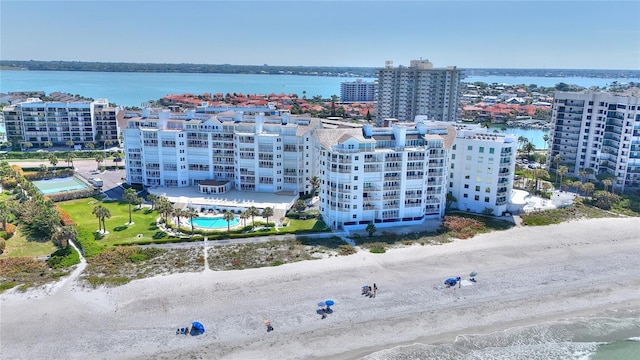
[(473, 274), (329, 303), (197, 326), (322, 304), (450, 281), (267, 322)]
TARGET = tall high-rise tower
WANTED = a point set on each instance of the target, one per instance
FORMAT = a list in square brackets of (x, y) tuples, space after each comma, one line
[(420, 89)]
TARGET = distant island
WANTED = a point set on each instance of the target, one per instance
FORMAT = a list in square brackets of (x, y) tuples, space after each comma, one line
[(336, 71)]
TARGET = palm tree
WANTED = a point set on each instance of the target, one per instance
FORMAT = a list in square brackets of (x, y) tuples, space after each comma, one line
[(101, 213), (556, 161), (562, 171), (130, 196), (191, 213), (522, 140), (529, 147), (266, 213), (545, 137), (164, 207), (607, 183), (228, 216), (244, 216), (252, 211), (47, 144), (371, 228), (107, 143), (70, 157), (178, 213), (152, 199), (582, 173), (315, 184), (99, 159), (588, 188)]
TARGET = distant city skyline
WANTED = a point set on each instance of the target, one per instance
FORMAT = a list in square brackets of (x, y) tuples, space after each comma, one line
[(472, 34)]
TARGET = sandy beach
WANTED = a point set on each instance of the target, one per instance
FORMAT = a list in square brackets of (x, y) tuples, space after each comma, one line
[(526, 275)]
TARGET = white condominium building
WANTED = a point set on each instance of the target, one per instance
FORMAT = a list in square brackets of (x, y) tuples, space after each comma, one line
[(402, 174), (404, 92), (482, 170), (250, 153), (352, 91), (598, 133), (40, 122)]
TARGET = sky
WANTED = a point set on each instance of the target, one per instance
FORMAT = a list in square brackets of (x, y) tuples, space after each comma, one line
[(575, 34)]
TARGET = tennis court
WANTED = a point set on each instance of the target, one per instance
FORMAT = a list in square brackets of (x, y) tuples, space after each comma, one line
[(58, 185)]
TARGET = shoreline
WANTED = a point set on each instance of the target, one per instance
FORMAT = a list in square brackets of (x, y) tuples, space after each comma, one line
[(450, 337), (526, 275)]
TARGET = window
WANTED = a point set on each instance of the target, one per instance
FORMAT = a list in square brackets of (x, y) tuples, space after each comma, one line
[(355, 178), (454, 147), (477, 187), (486, 199), (467, 167), (480, 159), (481, 149), (467, 177), (491, 150), (453, 156), (469, 147), (466, 186), (476, 198), (452, 166), (465, 195), (468, 157), (478, 178), (487, 189)]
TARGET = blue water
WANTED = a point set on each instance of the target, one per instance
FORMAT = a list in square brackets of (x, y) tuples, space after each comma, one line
[(535, 136), (59, 185), (547, 81), (214, 222), (132, 89), (610, 338)]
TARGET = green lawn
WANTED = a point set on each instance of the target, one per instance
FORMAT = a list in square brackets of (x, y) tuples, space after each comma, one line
[(19, 246), (144, 220), (305, 225)]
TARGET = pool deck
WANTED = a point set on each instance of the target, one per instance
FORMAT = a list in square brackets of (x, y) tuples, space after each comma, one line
[(230, 200)]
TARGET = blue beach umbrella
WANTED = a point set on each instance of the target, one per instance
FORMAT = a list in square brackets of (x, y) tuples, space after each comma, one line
[(329, 303), (197, 327), (322, 304)]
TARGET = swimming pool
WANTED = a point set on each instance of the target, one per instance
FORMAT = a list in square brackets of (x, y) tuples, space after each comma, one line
[(59, 185), (214, 222)]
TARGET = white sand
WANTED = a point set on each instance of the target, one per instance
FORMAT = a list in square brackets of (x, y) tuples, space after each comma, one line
[(526, 274)]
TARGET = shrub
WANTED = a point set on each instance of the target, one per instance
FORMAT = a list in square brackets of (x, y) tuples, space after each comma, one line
[(64, 258), (65, 218), (346, 249), (9, 230), (3, 244), (462, 227)]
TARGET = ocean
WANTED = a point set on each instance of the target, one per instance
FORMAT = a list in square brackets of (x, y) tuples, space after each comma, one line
[(598, 338)]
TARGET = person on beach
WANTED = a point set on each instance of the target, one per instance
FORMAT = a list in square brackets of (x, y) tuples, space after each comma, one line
[(375, 289), (186, 330)]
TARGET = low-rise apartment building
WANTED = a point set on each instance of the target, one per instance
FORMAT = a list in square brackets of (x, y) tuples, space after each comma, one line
[(39, 122), (254, 153)]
